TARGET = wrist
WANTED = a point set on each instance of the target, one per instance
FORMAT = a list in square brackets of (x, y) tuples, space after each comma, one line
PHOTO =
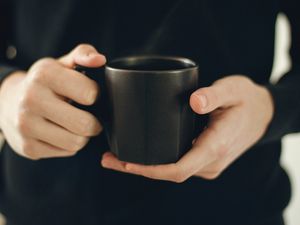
[(7, 88), (12, 78)]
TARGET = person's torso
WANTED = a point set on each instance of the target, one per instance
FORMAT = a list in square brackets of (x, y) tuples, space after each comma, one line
[(223, 37)]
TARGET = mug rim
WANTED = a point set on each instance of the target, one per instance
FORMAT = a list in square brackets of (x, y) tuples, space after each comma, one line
[(192, 65)]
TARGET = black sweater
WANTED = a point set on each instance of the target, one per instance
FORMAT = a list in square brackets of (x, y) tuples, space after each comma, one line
[(224, 37)]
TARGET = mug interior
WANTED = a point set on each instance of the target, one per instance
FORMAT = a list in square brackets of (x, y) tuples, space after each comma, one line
[(151, 63)]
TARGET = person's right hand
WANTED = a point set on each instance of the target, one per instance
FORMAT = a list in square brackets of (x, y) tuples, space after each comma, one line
[(35, 116)]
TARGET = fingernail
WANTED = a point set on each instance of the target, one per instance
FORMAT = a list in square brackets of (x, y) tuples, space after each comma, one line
[(203, 100)]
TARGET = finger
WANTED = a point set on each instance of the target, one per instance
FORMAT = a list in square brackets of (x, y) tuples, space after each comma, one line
[(216, 168), (84, 55), (201, 154), (208, 148), (224, 124), (55, 135), (211, 146), (207, 99), (208, 175), (77, 121), (111, 162), (204, 151), (72, 85), (41, 150), (159, 172)]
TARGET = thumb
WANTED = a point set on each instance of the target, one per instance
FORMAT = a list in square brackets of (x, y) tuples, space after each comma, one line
[(84, 55), (207, 99)]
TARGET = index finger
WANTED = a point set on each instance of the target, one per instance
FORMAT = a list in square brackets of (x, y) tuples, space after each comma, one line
[(72, 85), (85, 55)]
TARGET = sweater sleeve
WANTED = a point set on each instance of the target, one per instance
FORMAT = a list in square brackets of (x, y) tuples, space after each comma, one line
[(6, 70), (6, 66), (286, 93)]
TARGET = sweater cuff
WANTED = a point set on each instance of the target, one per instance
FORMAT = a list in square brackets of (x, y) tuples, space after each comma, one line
[(6, 70), (286, 118)]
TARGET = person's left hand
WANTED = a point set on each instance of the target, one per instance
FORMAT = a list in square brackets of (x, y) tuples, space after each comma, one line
[(240, 112)]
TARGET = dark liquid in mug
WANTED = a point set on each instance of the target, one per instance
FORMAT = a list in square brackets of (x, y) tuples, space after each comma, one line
[(151, 65)]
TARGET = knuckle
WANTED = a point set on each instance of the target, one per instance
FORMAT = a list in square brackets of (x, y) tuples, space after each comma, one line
[(67, 154), (244, 79), (84, 46), (28, 98), (78, 143), (179, 176), (211, 176), (214, 97), (38, 75), (217, 169), (85, 124), (22, 122), (45, 62), (38, 71), (34, 157), (72, 153), (28, 150), (89, 125), (179, 180), (92, 92)]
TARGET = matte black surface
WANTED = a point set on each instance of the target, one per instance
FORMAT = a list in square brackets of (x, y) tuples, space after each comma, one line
[(151, 122)]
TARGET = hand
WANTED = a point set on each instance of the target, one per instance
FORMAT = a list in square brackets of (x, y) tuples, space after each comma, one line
[(35, 116), (240, 112)]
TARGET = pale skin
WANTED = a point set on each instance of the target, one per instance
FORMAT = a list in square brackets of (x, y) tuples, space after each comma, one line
[(38, 122), (240, 112), (35, 116)]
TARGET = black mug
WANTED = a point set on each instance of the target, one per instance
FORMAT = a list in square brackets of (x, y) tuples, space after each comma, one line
[(150, 120)]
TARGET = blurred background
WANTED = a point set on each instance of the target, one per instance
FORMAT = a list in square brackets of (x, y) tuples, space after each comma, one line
[(291, 143)]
